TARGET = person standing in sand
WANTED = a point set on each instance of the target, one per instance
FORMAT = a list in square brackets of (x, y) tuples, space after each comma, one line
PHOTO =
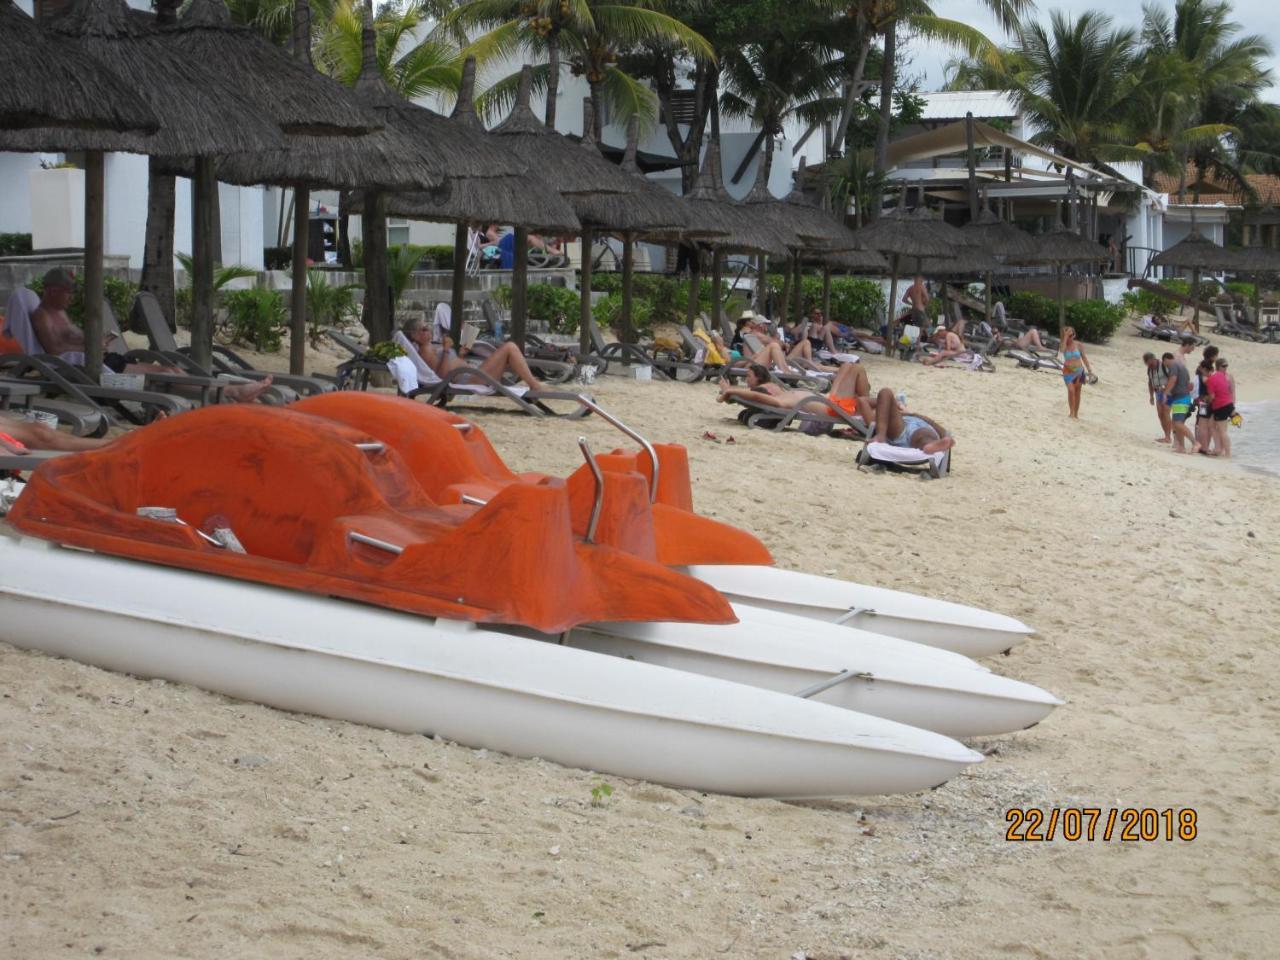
[(1155, 395), (1222, 401), (1177, 388), (1075, 367), (917, 296)]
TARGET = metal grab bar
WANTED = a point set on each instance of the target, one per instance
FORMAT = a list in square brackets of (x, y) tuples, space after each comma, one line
[(610, 419), (853, 612), (474, 501), (369, 541), (594, 520), (832, 681), (372, 447), (464, 427)]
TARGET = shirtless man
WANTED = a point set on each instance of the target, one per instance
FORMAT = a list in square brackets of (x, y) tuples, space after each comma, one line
[(911, 430), (59, 336), (917, 296), (849, 390)]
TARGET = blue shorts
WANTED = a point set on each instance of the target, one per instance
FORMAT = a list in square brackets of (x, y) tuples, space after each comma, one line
[(1160, 398), (1180, 408)]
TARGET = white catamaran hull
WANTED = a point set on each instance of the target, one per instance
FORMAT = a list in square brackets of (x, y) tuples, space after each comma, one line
[(883, 676), (480, 687), (937, 623)]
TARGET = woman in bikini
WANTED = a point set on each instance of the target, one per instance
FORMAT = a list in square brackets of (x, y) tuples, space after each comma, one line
[(849, 390), (507, 358), (898, 428), (1075, 367)]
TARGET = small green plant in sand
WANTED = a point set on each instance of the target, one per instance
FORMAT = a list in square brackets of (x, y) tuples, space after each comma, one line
[(600, 794)]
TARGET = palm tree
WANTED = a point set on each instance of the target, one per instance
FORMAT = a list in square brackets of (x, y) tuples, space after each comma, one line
[(590, 35), (412, 67)]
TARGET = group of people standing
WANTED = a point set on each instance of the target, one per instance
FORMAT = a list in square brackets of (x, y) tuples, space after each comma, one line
[(1177, 393)]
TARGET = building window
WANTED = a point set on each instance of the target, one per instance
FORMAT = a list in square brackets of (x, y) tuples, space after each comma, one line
[(683, 108), (397, 231)]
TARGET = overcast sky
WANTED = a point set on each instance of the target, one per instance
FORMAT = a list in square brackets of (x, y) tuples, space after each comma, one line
[(1255, 15)]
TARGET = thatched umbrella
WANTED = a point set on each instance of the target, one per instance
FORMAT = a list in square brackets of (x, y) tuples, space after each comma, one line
[(1000, 239), (79, 104), (391, 158), (1059, 247), (899, 234), (1197, 252), (217, 89), (506, 192)]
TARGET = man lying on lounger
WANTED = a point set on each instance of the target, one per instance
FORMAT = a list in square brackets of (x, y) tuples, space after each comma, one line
[(59, 336), (900, 429), (850, 383)]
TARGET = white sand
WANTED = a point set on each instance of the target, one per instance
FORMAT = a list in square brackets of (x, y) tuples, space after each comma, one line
[(144, 819)]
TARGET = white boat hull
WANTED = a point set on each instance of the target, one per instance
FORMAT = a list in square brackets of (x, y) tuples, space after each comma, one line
[(477, 686), (937, 623), (895, 679)]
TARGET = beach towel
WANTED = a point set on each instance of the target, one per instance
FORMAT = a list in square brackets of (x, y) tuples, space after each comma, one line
[(887, 453), (441, 322), (711, 356), (840, 357)]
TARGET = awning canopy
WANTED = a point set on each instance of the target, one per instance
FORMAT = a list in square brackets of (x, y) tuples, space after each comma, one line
[(953, 139)]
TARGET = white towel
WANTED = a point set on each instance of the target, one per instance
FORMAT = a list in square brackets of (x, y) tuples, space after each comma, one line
[(842, 357), (909, 455), (441, 322), (405, 376)]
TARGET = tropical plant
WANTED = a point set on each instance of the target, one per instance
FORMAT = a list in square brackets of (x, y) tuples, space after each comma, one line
[(256, 317), (555, 306), (328, 304), (590, 36), (1095, 321), (413, 67), (222, 275), (404, 260)]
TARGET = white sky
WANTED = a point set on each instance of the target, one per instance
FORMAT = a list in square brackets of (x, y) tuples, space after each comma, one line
[(1256, 16)]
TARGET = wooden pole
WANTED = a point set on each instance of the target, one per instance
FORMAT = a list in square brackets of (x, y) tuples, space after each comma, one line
[(991, 279), (457, 291), (1062, 303), (695, 284), (786, 291), (826, 294), (377, 281), (94, 228), (972, 161), (762, 283), (717, 292), (520, 287), (298, 296), (627, 334), (584, 315), (797, 294), (891, 315), (202, 254)]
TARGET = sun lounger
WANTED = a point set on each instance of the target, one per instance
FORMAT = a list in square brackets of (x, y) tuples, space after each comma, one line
[(416, 379), (26, 462), (815, 415), (226, 362), (19, 396), (60, 379), (629, 354)]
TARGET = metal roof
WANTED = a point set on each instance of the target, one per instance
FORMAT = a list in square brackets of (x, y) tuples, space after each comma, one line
[(983, 104)]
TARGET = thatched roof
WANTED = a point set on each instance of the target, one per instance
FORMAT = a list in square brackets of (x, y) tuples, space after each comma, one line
[(1064, 245), (1258, 260), (197, 116), (906, 235), (795, 217), (1195, 251), (662, 203), (396, 157), (50, 84), (851, 261), (968, 260), (742, 229), (998, 237), (505, 193)]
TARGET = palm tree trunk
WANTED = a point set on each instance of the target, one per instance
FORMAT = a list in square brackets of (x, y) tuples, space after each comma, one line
[(377, 304), (852, 89), (596, 100), (553, 81), (887, 77), (298, 295), (157, 253)]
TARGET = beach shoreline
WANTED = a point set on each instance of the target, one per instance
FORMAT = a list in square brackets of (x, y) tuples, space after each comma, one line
[(152, 819)]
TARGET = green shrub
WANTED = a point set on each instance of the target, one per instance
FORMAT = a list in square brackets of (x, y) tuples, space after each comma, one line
[(556, 306), (856, 301), (1034, 308), (14, 244), (256, 317), (609, 282), (328, 305), (118, 293), (402, 262), (1146, 303), (608, 313), (1095, 320), (438, 256), (1246, 291)]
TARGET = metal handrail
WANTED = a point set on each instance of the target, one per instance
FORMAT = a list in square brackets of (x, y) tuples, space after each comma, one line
[(374, 542), (610, 419), (598, 502), (832, 681)]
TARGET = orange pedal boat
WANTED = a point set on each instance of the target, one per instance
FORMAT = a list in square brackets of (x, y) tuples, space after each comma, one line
[(332, 509)]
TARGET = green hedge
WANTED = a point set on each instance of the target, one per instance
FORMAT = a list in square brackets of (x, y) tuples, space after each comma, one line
[(1034, 308), (14, 244), (555, 306), (1095, 321), (854, 300)]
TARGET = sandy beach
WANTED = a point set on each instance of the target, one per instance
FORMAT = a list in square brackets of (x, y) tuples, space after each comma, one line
[(146, 819)]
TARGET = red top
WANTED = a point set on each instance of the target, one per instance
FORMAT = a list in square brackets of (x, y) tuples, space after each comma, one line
[(1220, 391)]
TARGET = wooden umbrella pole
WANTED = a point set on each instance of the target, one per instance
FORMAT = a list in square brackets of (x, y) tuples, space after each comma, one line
[(519, 287), (94, 226), (991, 277), (377, 282), (1195, 299), (826, 294), (298, 295), (457, 292), (717, 282), (1062, 303), (584, 306), (695, 284), (762, 285), (891, 314), (786, 291), (797, 294), (202, 255), (626, 333)]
